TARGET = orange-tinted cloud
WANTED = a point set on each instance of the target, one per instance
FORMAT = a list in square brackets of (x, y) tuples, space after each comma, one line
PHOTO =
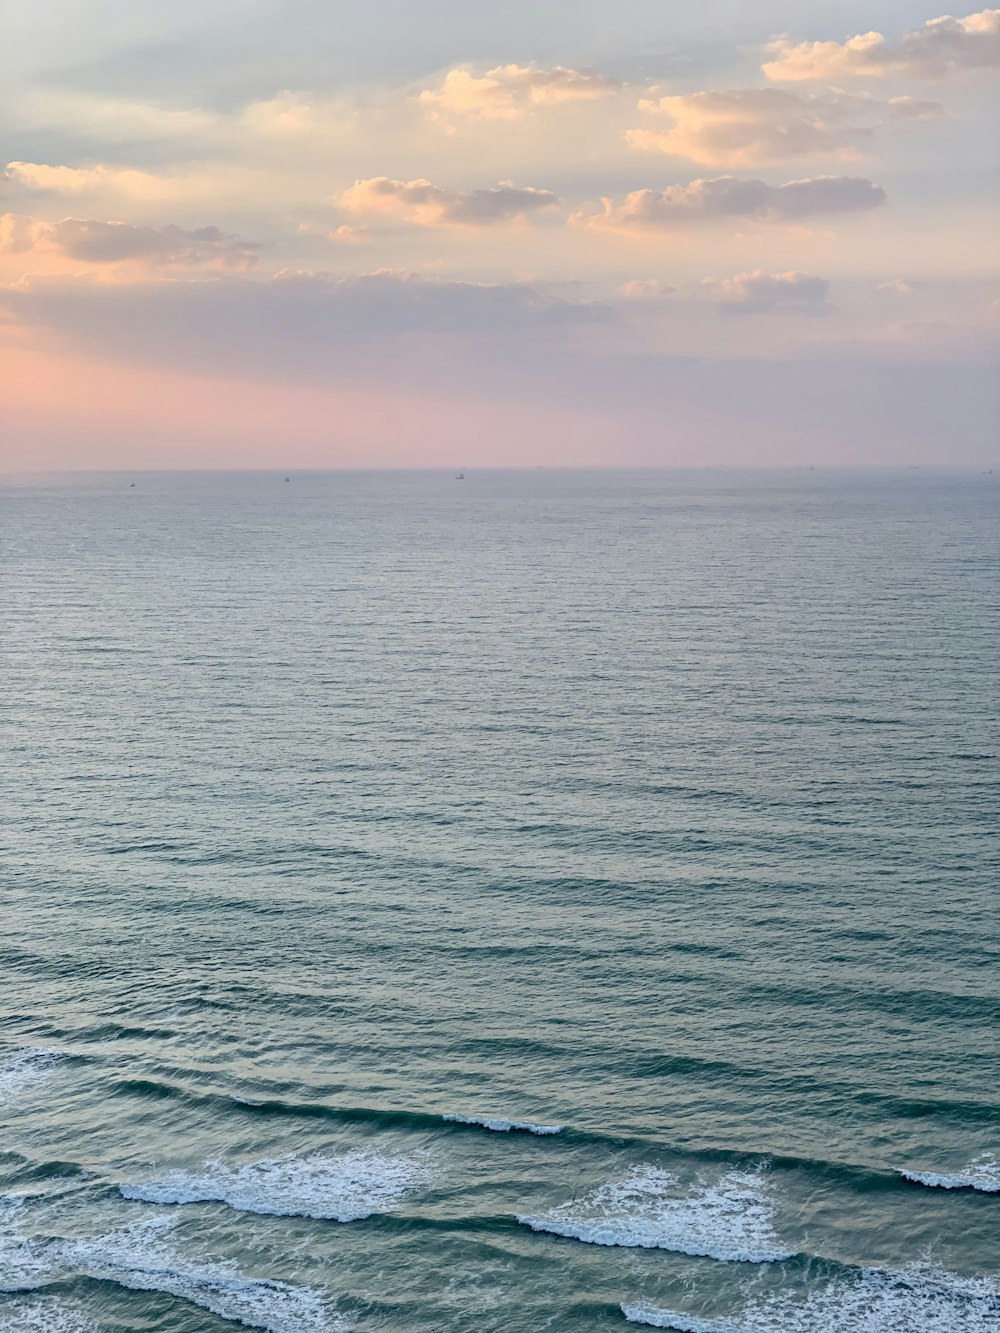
[(509, 92), (751, 126), (430, 205), (726, 197), (90, 241), (941, 47)]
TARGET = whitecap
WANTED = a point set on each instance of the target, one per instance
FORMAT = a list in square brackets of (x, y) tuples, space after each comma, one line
[(24, 1067), (501, 1126), (869, 1301), (982, 1173), (346, 1188), (730, 1219)]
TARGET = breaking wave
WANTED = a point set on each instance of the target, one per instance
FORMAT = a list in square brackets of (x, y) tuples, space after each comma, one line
[(501, 1126), (345, 1188), (730, 1220), (982, 1173)]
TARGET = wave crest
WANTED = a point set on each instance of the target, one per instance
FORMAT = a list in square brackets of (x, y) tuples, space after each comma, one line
[(345, 1188), (982, 1174), (729, 1220), (501, 1126)]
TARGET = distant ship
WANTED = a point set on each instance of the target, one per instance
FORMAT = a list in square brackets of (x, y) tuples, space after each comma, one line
[(459, 476)]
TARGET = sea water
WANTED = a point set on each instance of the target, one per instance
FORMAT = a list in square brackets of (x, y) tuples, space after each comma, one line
[(541, 901)]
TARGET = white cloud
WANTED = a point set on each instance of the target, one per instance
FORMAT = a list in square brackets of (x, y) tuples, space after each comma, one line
[(705, 201), (941, 47), (748, 126), (93, 242), (760, 293), (509, 92), (432, 206)]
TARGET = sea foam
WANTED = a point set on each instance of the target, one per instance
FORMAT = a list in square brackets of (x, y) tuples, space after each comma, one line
[(43, 1316), (869, 1301), (345, 1188), (501, 1126), (730, 1219), (141, 1258), (982, 1173), (24, 1067)]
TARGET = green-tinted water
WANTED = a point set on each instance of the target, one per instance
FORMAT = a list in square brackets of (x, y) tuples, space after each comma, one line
[(659, 808)]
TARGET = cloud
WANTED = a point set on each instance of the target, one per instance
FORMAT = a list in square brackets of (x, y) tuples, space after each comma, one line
[(747, 126), (43, 178), (646, 289), (705, 201), (93, 242), (509, 92), (761, 293), (345, 235), (896, 287), (431, 206), (297, 325), (941, 47)]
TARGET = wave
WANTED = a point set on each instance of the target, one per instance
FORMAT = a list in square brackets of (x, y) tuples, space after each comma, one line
[(729, 1220), (501, 1126), (867, 1301), (855, 1175), (25, 1067), (982, 1174), (140, 1258), (346, 1188)]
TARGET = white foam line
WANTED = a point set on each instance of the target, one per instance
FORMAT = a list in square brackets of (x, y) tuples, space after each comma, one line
[(912, 1300), (982, 1174), (729, 1220), (346, 1188), (501, 1126), (680, 1323)]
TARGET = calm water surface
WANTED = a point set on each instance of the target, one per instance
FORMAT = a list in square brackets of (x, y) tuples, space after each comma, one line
[(353, 818)]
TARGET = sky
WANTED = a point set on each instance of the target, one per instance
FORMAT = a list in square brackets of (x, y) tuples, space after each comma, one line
[(255, 233)]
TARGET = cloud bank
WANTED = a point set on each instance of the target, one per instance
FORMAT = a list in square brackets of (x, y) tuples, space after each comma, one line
[(942, 47)]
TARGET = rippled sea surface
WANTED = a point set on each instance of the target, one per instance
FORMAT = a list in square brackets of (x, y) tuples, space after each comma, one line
[(533, 902)]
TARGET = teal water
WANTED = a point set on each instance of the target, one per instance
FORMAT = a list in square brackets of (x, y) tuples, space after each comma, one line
[(654, 810)]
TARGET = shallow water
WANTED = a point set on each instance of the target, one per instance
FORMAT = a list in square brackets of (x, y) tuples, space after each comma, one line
[(534, 902)]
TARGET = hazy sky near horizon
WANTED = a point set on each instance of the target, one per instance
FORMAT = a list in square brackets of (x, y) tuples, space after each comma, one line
[(252, 233)]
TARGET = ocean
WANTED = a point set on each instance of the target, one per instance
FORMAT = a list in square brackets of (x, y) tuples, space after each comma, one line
[(539, 901)]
